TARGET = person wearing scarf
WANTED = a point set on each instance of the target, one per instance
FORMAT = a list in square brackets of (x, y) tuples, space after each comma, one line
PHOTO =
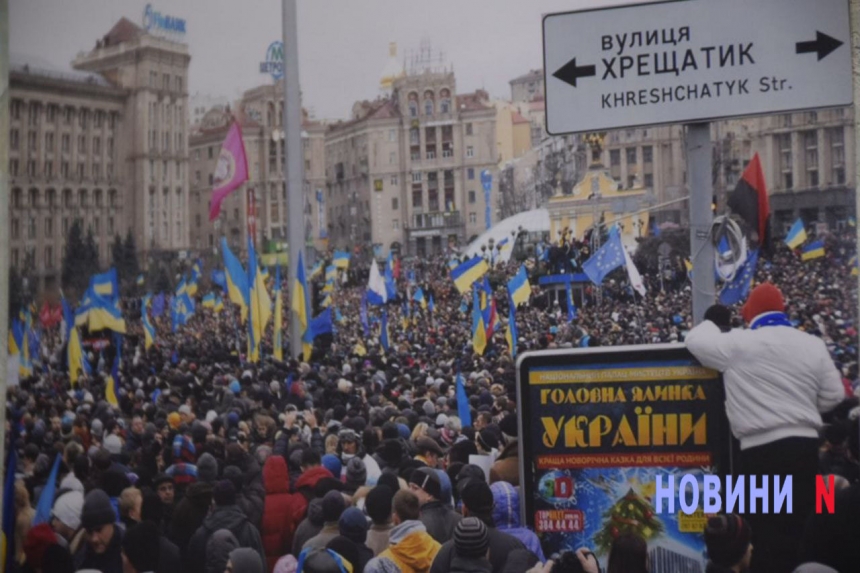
[(778, 381)]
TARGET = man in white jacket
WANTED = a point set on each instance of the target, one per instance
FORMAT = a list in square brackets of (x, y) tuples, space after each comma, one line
[(778, 381)]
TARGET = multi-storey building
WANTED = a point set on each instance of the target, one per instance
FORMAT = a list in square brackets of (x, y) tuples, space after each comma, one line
[(153, 73), (527, 87), (67, 149), (404, 173)]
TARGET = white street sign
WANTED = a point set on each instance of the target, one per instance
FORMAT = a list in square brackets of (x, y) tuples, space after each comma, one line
[(693, 60)]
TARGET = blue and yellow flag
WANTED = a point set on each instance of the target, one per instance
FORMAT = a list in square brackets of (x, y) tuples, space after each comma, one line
[(75, 356), (341, 260), (196, 271), (330, 273), (100, 313), (467, 273), (260, 305), (814, 250), (852, 222), (237, 280), (326, 302), (106, 285), (419, 298), (219, 304), (182, 309), (317, 269), (46, 498), (208, 301), (148, 328), (519, 287), (329, 286), (140, 279), (301, 306), (277, 332), (479, 330), (511, 334), (111, 383), (855, 269), (796, 235), (464, 411)]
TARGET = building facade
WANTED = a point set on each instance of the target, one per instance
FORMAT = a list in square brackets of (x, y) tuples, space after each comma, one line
[(404, 173), (154, 73), (67, 147)]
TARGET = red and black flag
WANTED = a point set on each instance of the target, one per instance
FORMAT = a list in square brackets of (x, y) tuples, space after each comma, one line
[(749, 201)]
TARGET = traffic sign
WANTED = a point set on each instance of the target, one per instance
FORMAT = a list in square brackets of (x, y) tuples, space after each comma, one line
[(693, 60)]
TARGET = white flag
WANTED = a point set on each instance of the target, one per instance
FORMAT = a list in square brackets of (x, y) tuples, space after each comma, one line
[(375, 282), (633, 274)]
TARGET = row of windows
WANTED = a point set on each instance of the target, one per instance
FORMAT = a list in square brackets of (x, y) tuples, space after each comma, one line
[(48, 227), (36, 111), (631, 153), (69, 196), (65, 143), (80, 173), (166, 84), (429, 102)]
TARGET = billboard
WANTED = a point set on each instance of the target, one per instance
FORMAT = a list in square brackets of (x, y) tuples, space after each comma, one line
[(599, 425)]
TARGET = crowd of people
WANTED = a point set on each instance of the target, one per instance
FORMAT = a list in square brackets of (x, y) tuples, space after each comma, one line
[(356, 459)]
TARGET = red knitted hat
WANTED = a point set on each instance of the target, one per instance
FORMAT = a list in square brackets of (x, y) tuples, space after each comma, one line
[(764, 298), (37, 541)]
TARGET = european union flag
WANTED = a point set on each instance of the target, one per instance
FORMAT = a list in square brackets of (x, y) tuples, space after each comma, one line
[(220, 279), (739, 288), (322, 323), (608, 258), (158, 305)]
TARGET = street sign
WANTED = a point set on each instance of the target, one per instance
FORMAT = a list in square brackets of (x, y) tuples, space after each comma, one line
[(692, 61)]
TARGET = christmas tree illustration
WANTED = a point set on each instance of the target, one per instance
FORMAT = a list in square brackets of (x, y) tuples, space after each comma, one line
[(630, 514)]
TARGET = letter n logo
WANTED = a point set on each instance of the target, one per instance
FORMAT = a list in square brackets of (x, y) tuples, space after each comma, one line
[(824, 493)]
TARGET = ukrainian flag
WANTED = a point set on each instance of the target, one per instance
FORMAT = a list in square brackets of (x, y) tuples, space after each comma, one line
[(75, 356), (511, 334), (419, 298), (796, 235), (519, 287), (209, 301), (329, 287), (260, 303), (330, 273), (479, 331), (140, 279), (326, 301), (814, 250), (855, 269), (277, 333), (103, 314), (467, 273), (503, 244), (219, 304), (148, 328), (341, 260), (452, 264), (183, 308), (105, 284), (852, 222), (316, 270), (301, 305), (237, 280), (110, 383)]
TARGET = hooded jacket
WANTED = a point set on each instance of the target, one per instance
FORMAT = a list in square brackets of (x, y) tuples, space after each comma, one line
[(218, 549), (309, 527), (108, 562), (412, 549), (279, 521), (506, 514), (305, 486), (228, 517), (440, 520)]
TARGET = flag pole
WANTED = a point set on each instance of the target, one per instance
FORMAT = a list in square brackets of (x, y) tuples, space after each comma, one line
[(698, 145), (292, 121), (4, 228)]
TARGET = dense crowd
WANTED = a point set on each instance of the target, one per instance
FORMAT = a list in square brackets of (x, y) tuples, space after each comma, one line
[(356, 460)]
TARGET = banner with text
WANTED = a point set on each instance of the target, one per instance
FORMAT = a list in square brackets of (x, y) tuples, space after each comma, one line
[(599, 426)]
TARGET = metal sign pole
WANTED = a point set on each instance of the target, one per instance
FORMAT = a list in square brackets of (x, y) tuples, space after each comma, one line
[(698, 144), (293, 152)]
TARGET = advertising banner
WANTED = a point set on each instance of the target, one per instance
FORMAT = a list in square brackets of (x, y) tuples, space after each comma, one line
[(599, 425)]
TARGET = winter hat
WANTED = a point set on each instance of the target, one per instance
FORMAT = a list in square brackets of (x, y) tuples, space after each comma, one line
[(461, 451), (814, 568), (429, 408), (488, 440), (97, 510), (332, 463), (426, 479), (378, 504), (173, 420), (67, 509), (235, 387), (763, 298), (38, 539), (97, 428), (224, 493), (207, 468), (346, 548), (320, 561), (141, 545), (508, 425), (353, 525), (356, 472), (471, 538), (727, 538), (446, 491), (478, 497), (246, 560), (113, 444), (333, 506), (390, 479), (720, 315), (286, 564)]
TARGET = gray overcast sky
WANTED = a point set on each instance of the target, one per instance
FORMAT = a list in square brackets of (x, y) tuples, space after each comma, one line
[(343, 44)]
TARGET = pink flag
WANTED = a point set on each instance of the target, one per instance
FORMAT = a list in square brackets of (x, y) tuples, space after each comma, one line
[(231, 171)]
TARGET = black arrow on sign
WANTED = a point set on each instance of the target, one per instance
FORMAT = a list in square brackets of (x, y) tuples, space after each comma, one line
[(823, 44), (570, 72)]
